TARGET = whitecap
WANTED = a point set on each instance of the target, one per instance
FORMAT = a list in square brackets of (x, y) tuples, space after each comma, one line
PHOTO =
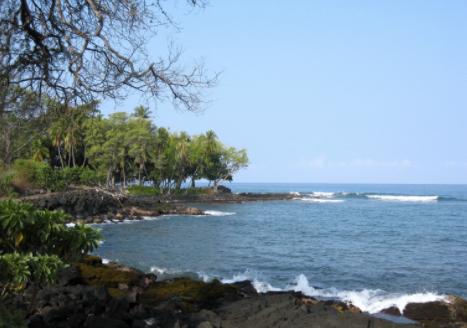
[(260, 286), (405, 198), (218, 213), (322, 194), (320, 200)]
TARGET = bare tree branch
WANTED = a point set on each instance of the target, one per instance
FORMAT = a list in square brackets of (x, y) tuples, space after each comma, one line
[(81, 50)]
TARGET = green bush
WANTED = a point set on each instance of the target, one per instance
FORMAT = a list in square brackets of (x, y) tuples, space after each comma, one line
[(11, 318), (50, 179), (26, 174), (90, 177), (71, 175), (35, 244), (143, 191), (193, 191), (6, 186)]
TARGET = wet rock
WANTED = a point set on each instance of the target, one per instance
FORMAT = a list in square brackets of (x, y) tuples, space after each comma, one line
[(458, 308), (110, 276), (190, 211), (392, 311), (104, 322), (343, 307), (206, 318), (68, 276), (430, 311), (246, 288)]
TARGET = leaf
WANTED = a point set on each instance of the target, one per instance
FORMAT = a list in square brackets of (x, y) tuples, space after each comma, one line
[(18, 239)]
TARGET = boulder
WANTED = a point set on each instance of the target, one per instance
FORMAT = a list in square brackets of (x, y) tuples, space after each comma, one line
[(192, 211), (430, 311), (458, 307), (68, 276), (104, 322), (392, 311), (108, 276), (223, 190)]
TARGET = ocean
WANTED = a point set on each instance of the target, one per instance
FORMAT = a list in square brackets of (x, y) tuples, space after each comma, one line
[(373, 245)]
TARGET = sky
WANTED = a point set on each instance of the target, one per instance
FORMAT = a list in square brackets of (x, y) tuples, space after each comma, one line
[(330, 91)]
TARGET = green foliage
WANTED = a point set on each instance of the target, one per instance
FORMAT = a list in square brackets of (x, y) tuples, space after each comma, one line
[(90, 177), (83, 147), (35, 244), (18, 269), (6, 186), (143, 191), (29, 174), (11, 318)]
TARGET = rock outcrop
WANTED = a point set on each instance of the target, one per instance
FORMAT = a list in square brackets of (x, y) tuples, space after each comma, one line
[(93, 294), (452, 313), (80, 203)]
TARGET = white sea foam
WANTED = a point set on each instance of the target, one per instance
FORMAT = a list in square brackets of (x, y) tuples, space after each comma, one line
[(70, 225), (368, 300), (260, 286), (105, 261), (371, 301), (405, 198), (320, 197), (158, 270), (319, 200), (322, 194), (294, 193), (218, 213)]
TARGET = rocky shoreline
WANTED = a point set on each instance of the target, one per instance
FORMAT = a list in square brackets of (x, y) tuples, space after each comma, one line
[(93, 294), (94, 205), (96, 294)]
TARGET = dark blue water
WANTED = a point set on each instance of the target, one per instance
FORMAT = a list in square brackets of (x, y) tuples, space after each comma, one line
[(373, 245)]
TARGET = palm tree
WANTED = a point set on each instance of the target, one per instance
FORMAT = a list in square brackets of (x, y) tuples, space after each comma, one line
[(40, 151), (56, 133), (142, 112)]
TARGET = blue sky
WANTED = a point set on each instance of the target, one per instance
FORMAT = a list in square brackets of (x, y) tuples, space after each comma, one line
[(332, 91)]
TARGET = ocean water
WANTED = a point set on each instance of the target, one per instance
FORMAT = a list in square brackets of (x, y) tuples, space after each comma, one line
[(372, 245)]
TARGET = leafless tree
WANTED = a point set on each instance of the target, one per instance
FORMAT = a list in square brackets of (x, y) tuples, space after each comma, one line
[(80, 50)]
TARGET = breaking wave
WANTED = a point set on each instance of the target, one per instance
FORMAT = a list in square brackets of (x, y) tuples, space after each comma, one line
[(339, 197), (218, 213), (395, 198), (368, 300)]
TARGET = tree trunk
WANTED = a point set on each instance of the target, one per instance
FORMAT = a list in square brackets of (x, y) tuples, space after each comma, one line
[(193, 182), (60, 156), (178, 185)]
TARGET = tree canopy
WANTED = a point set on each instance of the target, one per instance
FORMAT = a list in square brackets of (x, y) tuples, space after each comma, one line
[(77, 51), (80, 145)]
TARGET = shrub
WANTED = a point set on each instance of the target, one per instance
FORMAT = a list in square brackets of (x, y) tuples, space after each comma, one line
[(90, 177), (26, 173), (11, 318), (6, 186), (35, 244), (143, 191)]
